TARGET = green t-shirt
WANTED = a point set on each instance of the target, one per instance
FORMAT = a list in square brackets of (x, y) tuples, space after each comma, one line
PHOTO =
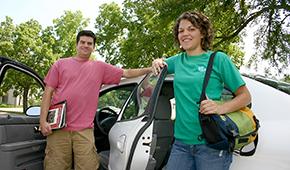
[(189, 73)]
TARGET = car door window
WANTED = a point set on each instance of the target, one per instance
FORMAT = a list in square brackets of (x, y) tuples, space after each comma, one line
[(140, 98), (18, 91), (116, 97)]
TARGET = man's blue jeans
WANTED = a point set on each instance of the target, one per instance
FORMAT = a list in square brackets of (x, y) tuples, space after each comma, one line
[(197, 157)]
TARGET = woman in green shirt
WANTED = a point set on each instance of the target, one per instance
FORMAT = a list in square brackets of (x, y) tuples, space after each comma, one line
[(193, 33)]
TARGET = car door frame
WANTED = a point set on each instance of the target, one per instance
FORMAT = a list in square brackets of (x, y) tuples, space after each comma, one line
[(150, 111), (147, 126), (20, 147), (6, 63)]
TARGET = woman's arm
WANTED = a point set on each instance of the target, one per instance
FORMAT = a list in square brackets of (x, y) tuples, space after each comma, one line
[(242, 99), (130, 73)]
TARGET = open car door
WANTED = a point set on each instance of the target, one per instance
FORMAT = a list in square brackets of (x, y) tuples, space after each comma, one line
[(135, 137), (21, 147)]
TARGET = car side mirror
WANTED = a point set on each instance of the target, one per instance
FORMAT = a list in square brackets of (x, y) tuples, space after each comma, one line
[(33, 111)]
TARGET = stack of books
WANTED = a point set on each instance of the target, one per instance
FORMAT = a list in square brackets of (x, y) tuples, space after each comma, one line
[(56, 116)]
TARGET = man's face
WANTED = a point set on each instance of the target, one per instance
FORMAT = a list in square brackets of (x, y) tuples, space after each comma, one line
[(85, 46)]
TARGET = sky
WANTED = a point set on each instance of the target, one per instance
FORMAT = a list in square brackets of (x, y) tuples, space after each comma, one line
[(44, 11)]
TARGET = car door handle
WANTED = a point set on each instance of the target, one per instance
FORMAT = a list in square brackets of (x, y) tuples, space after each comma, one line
[(121, 143), (36, 129), (146, 143)]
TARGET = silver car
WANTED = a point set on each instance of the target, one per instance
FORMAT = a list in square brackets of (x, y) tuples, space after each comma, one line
[(134, 124), (142, 136)]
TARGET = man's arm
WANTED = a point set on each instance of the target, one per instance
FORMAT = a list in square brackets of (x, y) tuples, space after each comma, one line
[(45, 103), (130, 73)]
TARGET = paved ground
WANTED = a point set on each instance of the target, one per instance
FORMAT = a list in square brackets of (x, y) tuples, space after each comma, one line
[(11, 110)]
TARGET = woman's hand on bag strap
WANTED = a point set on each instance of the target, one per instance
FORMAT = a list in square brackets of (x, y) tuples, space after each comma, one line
[(210, 107)]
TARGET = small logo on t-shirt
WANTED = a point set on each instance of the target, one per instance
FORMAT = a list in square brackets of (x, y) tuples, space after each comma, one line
[(201, 68)]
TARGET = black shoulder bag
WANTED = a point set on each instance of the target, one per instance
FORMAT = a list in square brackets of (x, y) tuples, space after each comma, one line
[(210, 129), (231, 131)]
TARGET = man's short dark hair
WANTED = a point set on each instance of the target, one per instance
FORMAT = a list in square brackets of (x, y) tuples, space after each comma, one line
[(86, 33)]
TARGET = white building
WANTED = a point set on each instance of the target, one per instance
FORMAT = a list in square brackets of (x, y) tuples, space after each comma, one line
[(10, 99)]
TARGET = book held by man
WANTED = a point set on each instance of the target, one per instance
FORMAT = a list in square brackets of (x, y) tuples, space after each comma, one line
[(56, 115)]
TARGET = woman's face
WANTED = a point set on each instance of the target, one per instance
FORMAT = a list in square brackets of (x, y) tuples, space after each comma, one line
[(189, 37)]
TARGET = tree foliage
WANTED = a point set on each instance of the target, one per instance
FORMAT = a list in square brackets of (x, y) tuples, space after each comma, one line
[(65, 28), (272, 37), (139, 31), (142, 30), (37, 48)]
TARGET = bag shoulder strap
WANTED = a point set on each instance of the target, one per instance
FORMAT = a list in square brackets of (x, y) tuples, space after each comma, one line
[(207, 75)]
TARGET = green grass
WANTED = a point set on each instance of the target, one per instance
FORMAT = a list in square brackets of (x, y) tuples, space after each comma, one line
[(9, 106)]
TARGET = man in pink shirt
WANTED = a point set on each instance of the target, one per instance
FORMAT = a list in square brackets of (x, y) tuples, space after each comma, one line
[(77, 80)]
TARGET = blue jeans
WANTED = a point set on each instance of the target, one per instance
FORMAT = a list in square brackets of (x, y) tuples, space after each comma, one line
[(197, 157)]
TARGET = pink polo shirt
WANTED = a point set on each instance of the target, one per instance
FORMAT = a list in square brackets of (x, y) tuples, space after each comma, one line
[(79, 83)]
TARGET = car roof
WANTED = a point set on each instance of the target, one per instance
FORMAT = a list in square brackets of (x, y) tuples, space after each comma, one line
[(278, 85), (125, 81)]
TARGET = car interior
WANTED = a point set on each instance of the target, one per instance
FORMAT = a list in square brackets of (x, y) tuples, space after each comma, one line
[(163, 126), (107, 115)]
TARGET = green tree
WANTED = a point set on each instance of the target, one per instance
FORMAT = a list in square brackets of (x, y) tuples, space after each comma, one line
[(29, 44), (142, 30), (26, 49), (6, 36), (272, 37), (65, 29)]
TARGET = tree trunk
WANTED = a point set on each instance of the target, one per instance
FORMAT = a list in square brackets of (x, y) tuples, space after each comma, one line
[(25, 98)]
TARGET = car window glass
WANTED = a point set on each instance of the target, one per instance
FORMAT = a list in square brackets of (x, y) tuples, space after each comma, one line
[(115, 98), (226, 94), (140, 98), (18, 91)]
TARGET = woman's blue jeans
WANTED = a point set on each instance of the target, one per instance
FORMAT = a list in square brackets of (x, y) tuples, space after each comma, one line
[(197, 157)]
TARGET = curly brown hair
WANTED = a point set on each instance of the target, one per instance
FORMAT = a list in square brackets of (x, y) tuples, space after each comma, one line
[(200, 21)]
